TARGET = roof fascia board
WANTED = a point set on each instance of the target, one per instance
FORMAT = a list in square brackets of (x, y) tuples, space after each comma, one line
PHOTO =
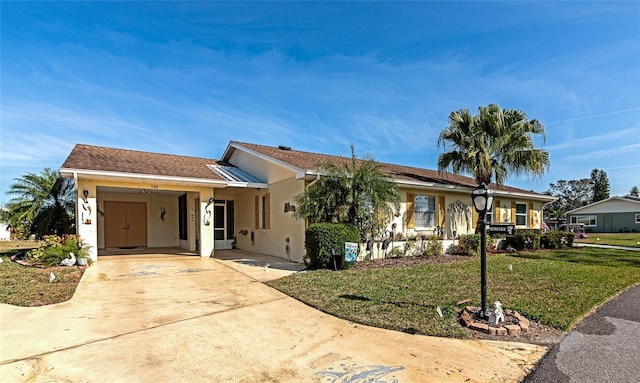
[(248, 185), (433, 185), (601, 202), (300, 173), (101, 173)]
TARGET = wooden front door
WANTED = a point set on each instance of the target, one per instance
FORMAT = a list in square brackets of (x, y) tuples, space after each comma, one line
[(125, 224)]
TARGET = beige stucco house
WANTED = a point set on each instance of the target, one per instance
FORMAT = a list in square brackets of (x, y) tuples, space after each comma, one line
[(133, 199)]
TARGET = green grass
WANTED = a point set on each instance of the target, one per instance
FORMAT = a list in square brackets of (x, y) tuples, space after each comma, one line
[(30, 286), (557, 288), (615, 239)]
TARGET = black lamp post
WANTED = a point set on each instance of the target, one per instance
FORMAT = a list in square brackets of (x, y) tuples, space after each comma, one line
[(482, 201)]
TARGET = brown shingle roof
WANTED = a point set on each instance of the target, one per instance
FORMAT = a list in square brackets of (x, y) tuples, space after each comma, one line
[(310, 162), (88, 157)]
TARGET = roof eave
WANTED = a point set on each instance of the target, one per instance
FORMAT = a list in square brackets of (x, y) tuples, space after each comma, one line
[(70, 172)]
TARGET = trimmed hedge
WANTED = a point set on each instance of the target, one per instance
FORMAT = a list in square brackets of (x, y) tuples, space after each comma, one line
[(469, 244), (533, 240), (321, 238)]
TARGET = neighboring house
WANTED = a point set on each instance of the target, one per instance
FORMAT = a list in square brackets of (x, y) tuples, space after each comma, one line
[(5, 231), (246, 199), (611, 215)]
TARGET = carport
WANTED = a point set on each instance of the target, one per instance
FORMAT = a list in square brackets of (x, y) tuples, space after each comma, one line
[(131, 200)]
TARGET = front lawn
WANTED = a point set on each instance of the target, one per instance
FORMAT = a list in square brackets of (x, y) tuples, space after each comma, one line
[(614, 239), (556, 288), (30, 286)]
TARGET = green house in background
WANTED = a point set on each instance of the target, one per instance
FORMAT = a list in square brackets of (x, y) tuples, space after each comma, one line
[(611, 215)]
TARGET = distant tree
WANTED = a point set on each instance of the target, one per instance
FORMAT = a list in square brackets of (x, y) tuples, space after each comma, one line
[(569, 195), (634, 191), (357, 192), (495, 143), (600, 185), (43, 204)]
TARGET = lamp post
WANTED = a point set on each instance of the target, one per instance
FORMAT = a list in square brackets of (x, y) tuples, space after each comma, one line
[(482, 201)]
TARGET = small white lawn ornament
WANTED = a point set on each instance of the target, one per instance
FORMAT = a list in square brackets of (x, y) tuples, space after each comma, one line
[(69, 261), (51, 277), (498, 315)]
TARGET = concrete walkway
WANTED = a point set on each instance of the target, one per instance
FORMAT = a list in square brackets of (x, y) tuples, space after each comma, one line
[(161, 318), (606, 246)]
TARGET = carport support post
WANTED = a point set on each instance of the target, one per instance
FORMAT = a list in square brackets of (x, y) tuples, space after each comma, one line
[(87, 217), (206, 231)]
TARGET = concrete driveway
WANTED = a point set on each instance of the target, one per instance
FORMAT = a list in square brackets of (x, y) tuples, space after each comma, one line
[(161, 318)]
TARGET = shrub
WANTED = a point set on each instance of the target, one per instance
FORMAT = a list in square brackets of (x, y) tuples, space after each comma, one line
[(53, 249), (431, 246), (469, 244), (322, 238), (524, 239), (556, 240), (397, 251), (409, 246), (454, 249)]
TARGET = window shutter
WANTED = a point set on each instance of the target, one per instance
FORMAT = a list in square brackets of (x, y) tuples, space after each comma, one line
[(513, 212), (496, 211), (267, 211), (411, 221), (530, 214), (441, 216), (257, 211), (474, 217)]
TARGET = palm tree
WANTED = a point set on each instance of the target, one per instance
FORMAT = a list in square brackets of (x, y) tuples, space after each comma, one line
[(496, 142), (43, 204), (356, 192)]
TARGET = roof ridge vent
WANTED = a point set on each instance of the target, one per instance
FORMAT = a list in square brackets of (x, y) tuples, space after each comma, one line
[(282, 147)]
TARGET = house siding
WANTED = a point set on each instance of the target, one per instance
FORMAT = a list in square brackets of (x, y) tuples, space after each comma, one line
[(613, 215), (282, 225), (610, 222)]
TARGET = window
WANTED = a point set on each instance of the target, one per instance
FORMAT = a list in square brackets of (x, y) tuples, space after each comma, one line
[(489, 216), (521, 214), (262, 206), (425, 211), (637, 218), (588, 220)]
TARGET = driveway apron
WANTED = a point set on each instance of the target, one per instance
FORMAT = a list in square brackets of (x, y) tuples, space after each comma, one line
[(178, 318)]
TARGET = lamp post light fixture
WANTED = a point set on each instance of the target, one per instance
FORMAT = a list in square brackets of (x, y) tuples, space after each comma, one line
[(483, 201)]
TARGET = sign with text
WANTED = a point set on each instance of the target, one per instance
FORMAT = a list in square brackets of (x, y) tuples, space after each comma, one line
[(502, 228), (350, 251)]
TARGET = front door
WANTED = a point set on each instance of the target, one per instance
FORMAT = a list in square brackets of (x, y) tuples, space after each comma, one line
[(125, 224), (223, 224), (607, 222)]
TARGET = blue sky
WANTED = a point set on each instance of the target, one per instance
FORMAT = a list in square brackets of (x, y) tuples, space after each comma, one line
[(188, 77)]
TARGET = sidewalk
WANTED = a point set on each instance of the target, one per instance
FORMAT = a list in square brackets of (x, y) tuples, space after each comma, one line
[(606, 246)]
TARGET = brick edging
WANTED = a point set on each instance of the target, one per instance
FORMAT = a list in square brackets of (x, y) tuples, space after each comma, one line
[(466, 319)]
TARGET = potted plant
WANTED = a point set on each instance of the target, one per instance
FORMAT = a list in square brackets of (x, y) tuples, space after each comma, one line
[(82, 254)]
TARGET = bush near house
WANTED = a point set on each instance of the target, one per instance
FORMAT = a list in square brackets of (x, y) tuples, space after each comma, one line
[(469, 244), (53, 249), (531, 239), (321, 238), (431, 247)]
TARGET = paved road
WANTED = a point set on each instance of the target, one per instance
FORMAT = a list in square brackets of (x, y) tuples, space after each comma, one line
[(605, 347)]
